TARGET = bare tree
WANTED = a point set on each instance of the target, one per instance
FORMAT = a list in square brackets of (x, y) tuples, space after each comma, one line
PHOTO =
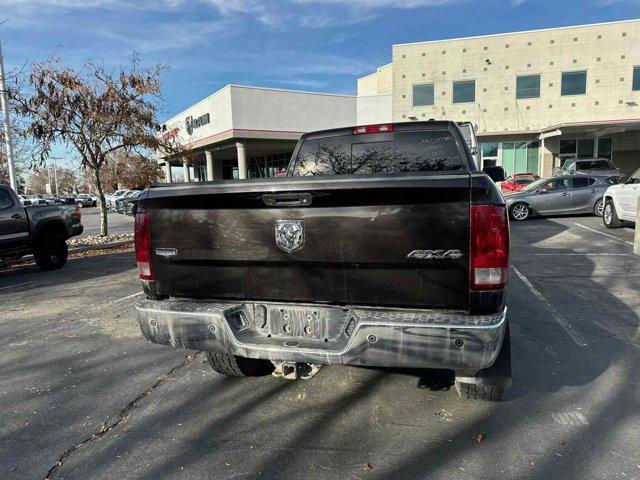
[(131, 171), (95, 111), (67, 180)]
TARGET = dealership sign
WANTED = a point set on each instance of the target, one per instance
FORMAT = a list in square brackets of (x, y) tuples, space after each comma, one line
[(195, 123)]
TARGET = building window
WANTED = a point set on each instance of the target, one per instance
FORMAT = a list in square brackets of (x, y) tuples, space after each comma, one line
[(464, 92), (528, 86), (636, 78), (568, 147), (423, 95), (267, 166), (488, 154), (520, 157), (574, 83), (605, 148), (585, 148)]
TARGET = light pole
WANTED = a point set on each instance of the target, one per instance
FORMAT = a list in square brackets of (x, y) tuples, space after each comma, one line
[(55, 176), (7, 126)]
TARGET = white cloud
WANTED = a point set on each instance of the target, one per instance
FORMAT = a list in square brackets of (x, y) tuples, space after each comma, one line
[(118, 5), (274, 14), (160, 37)]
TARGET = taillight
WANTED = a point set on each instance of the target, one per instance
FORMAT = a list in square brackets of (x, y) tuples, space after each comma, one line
[(489, 247), (142, 240), (382, 128)]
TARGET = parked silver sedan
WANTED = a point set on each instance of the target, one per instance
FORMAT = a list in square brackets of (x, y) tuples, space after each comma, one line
[(564, 195)]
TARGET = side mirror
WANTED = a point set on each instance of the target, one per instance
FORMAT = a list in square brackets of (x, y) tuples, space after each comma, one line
[(497, 174)]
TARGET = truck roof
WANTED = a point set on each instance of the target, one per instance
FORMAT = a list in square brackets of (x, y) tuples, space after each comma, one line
[(397, 127)]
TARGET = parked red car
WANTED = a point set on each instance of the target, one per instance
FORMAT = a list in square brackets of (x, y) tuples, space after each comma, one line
[(518, 181)]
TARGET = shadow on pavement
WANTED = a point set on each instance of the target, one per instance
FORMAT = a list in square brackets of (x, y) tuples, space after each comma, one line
[(76, 270), (570, 407)]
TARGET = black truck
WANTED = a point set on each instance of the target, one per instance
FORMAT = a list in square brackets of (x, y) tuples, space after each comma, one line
[(38, 230), (383, 246)]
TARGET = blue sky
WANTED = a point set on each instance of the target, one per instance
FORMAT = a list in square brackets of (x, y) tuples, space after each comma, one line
[(317, 45)]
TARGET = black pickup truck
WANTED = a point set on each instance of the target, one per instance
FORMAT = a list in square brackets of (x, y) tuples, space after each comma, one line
[(383, 246), (38, 230)]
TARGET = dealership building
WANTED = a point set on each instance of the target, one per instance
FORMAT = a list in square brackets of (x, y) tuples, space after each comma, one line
[(536, 98)]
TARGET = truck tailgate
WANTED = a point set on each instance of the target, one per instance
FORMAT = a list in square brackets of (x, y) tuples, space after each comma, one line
[(218, 240)]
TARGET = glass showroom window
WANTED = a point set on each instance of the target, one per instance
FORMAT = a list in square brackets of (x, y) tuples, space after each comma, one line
[(423, 95), (636, 78), (464, 92), (605, 148), (574, 83), (267, 166), (520, 157), (489, 154), (585, 148), (528, 86)]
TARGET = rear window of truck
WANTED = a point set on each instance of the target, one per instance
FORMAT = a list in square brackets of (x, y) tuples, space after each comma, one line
[(420, 151)]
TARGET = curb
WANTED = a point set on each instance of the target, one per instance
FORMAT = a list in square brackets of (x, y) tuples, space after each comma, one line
[(83, 248), (103, 246)]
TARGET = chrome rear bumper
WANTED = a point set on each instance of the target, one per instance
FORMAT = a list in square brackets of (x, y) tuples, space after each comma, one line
[(323, 334)]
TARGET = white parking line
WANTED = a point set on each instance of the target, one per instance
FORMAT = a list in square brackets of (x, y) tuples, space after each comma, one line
[(575, 336), (16, 285), (127, 297), (602, 233)]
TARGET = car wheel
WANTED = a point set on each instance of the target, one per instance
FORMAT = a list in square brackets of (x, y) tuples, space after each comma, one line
[(235, 366), (598, 209), (609, 215), (51, 251), (79, 204), (520, 212)]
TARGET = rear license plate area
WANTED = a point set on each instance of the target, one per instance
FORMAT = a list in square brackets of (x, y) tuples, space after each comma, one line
[(296, 322)]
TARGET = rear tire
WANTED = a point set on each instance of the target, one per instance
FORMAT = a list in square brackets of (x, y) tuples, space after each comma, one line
[(598, 209), (471, 391), (490, 383), (51, 251), (235, 366), (79, 204), (520, 211), (610, 216)]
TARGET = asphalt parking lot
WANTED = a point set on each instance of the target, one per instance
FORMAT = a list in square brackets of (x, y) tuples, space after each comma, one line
[(117, 223), (83, 395)]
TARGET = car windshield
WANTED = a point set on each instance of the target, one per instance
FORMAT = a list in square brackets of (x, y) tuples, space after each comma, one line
[(421, 151), (594, 165), (534, 185)]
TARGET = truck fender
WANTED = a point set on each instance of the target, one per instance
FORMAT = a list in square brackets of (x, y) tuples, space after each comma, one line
[(50, 225)]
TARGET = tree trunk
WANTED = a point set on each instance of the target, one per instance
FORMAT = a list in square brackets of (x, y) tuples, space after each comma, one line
[(102, 204)]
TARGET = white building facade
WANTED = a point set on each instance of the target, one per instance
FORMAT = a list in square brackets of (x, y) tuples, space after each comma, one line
[(249, 132), (536, 98)]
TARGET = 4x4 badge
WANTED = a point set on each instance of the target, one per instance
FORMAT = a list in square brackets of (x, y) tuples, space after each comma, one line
[(289, 234), (435, 254)]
